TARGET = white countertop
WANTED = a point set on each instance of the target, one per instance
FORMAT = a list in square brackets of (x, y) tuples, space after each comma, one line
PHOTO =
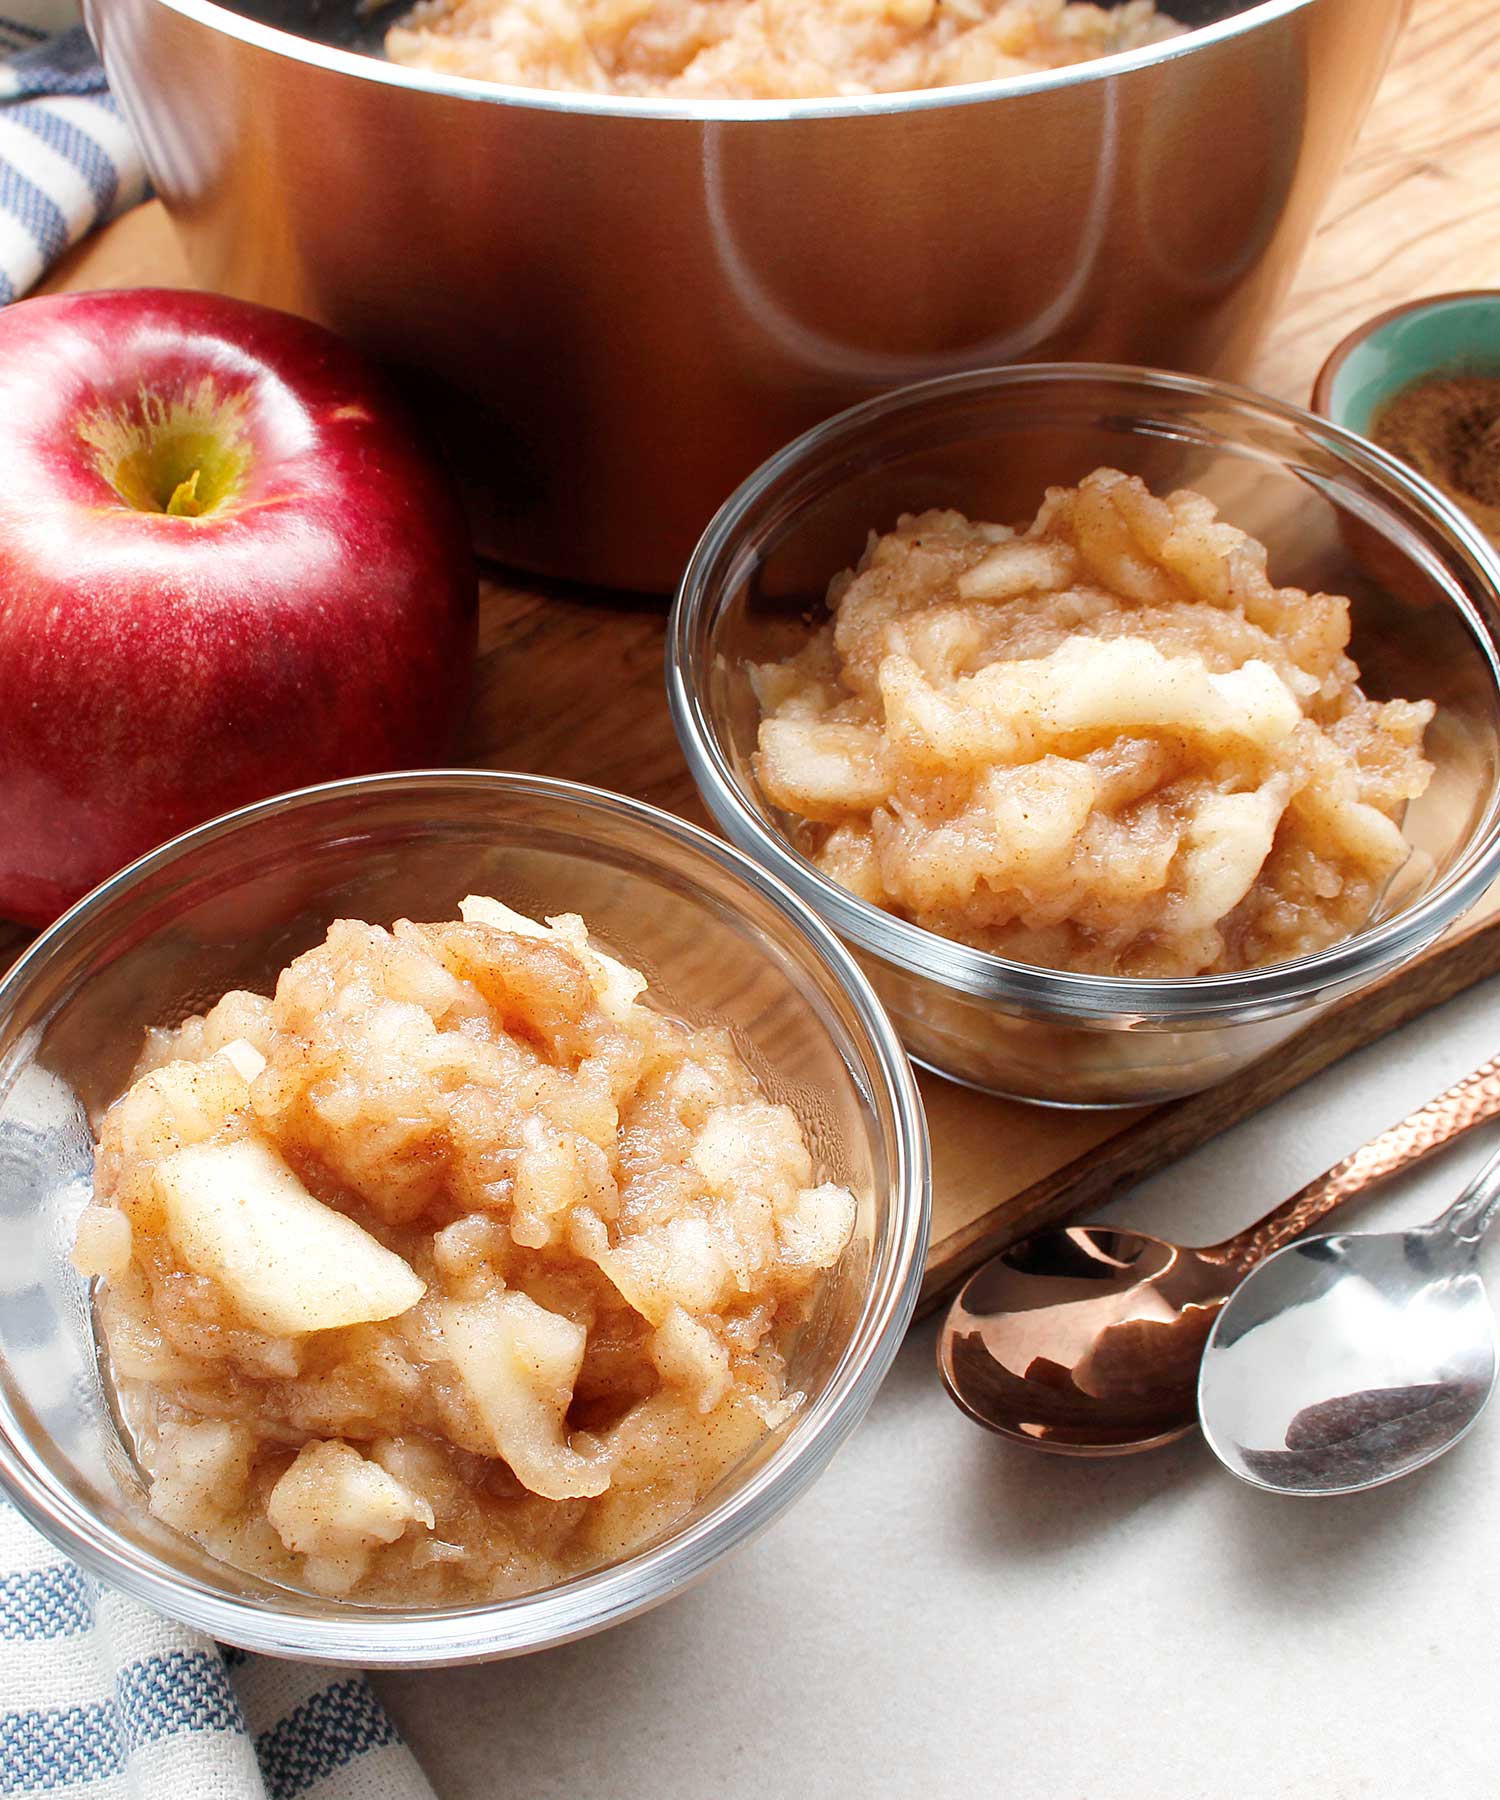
[(948, 1614)]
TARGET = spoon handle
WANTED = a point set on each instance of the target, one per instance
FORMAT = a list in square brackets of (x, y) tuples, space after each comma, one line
[(1466, 1104), (1473, 1212)]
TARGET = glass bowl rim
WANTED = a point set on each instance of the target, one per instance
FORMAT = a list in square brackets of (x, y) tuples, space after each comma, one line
[(381, 1638), (1063, 994)]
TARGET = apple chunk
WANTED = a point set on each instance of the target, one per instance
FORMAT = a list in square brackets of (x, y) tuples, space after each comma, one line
[(518, 1363), (615, 985), (238, 1215)]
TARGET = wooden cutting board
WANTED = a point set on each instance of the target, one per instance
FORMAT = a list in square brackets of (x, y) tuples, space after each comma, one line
[(570, 682)]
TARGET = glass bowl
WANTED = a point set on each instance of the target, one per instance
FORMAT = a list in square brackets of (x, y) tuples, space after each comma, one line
[(1335, 513), (226, 906)]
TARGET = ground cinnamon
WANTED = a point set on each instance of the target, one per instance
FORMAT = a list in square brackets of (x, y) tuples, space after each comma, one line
[(1448, 428)]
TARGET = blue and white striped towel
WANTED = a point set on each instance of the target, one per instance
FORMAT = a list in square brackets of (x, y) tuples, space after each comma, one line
[(101, 1698), (67, 162)]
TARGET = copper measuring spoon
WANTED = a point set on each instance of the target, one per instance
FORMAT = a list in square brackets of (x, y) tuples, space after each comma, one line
[(1087, 1341)]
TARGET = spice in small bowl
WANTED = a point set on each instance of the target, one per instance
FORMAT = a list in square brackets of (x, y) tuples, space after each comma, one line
[(1448, 428), (1423, 381)]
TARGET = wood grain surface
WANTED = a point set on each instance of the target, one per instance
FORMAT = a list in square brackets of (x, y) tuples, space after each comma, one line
[(1414, 213)]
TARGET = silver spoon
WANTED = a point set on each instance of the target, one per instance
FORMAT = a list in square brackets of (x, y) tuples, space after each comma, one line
[(1345, 1361)]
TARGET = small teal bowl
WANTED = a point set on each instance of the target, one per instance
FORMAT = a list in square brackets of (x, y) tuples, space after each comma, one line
[(1443, 334)]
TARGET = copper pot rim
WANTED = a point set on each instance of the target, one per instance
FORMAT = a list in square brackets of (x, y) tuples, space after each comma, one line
[(362, 66), (1321, 401)]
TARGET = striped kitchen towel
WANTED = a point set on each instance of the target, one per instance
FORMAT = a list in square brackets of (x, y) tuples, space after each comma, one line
[(67, 162), (102, 1699)]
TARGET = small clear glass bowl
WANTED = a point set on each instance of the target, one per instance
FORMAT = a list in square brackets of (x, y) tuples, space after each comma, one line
[(226, 906), (1335, 513)]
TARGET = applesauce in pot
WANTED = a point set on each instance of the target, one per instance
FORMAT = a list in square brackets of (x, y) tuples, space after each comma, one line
[(453, 1268), (763, 49)]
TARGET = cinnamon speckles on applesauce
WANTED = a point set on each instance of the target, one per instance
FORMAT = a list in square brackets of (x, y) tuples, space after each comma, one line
[(1106, 743), (451, 1270)]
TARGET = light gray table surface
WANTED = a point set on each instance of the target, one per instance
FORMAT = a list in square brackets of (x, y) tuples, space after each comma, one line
[(946, 1614)]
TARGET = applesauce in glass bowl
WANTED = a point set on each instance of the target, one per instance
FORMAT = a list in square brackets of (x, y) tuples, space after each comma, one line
[(726, 951), (988, 447)]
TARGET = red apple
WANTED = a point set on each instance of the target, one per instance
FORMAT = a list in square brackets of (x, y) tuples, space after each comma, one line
[(227, 568)]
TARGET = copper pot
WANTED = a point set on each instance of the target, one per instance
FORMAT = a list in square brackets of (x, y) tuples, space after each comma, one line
[(615, 309)]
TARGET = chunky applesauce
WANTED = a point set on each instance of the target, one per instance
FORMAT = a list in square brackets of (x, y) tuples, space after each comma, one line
[(1106, 743), (763, 49), (453, 1268)]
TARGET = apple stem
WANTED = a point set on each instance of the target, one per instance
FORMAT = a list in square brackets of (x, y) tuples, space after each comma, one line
[(184, 501)]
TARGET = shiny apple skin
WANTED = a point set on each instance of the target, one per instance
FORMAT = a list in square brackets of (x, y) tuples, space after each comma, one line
[(158, 670)]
